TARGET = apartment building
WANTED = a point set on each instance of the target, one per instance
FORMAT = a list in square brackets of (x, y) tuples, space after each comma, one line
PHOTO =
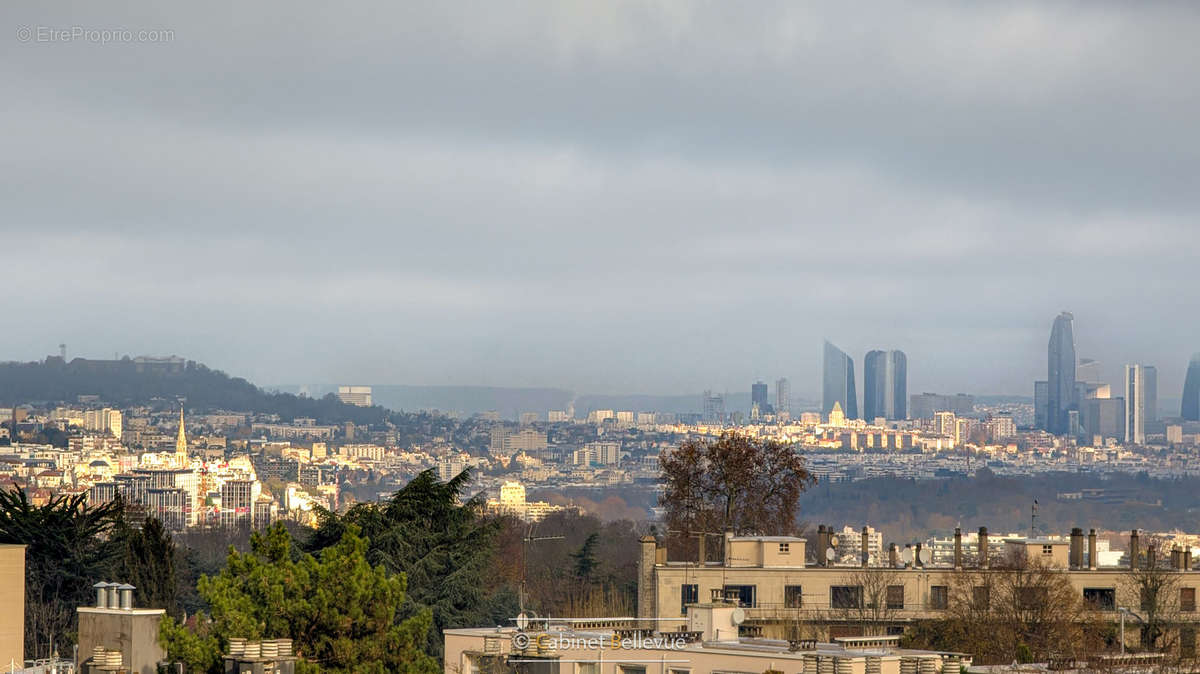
[(773, 580), (710, 643)]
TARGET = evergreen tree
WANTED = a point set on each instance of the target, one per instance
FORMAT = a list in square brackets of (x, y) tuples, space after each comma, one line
[(441, 542), (68, 550), (341, 614)]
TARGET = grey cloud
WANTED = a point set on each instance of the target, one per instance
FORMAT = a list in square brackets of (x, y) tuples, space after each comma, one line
[(607, 196)]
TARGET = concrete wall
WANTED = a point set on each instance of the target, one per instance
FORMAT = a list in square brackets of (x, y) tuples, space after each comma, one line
[(12, 616), (133, 632)]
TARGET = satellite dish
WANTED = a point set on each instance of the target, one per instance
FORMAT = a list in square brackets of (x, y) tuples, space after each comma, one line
[(523, 621), (833, 540), (830, 554), (925, 556), (738, 616), (906, 556)]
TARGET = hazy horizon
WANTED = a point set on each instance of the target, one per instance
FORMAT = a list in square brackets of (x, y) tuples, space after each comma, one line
[(627, 197)]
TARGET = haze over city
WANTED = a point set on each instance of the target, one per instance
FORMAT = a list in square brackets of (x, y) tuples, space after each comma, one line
[(607, 198)]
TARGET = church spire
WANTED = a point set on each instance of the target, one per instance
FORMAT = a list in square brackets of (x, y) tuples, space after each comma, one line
[(181, 442)]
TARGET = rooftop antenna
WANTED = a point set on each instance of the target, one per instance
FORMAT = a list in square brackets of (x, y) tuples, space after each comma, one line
[(529, 538), (62, 351), (1033, 519)]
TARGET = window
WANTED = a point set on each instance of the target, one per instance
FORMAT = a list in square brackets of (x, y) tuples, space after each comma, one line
[(587, 668), (1187, 642), (793, 596), (845, 596), (1100, 598), (981, 597), (1047, 549), (631, 669), (895, 596), (744, 594), (939, 597), (1187, 599), (688, 594), (1030, 598), (1149, 598), (784, 548)]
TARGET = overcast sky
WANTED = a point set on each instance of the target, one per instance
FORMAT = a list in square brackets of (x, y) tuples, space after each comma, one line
[(606, 196)]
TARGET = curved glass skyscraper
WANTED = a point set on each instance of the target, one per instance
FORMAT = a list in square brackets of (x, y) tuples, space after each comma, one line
[(1191, 390), (837, 383), (1060, 376)]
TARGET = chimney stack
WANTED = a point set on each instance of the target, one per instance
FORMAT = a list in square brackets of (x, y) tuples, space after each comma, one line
[(821, 545), (917, 557), (111, 596), (893, 556), (1076, 548), (126, 592), (1151, 556), (1134, 551), (866, 551), (983, 548), (1187, 558), (1092, 549), (957, 548), (101, 594)]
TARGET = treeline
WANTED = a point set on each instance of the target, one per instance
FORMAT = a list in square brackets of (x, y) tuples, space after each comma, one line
[(123, 383), (907, 509), (376, 584)]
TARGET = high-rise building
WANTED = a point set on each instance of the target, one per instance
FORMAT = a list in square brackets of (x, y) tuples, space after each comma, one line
[(1140, 395), (885, 385), (783, 396), (837, 383), (1060, 375), (923, 405), (1151, 397), (1040, 390), (714, 407), (1191, 390), (1103, 418), (1088, 370), (355, 395), (758, 396)]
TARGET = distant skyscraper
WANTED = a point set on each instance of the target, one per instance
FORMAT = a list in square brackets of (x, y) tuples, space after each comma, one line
[(783, 396), (1040, 389), (1060, 376), (1152, 397), (837, 385), (714, 407), (758, 396), (885, 385), (1088, 370), (1140, 396), (1191, 390)]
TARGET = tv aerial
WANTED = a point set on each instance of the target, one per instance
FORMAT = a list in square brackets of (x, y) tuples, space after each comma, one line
[(830, 554), (906, 555), (738, 616), (925, 555)]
